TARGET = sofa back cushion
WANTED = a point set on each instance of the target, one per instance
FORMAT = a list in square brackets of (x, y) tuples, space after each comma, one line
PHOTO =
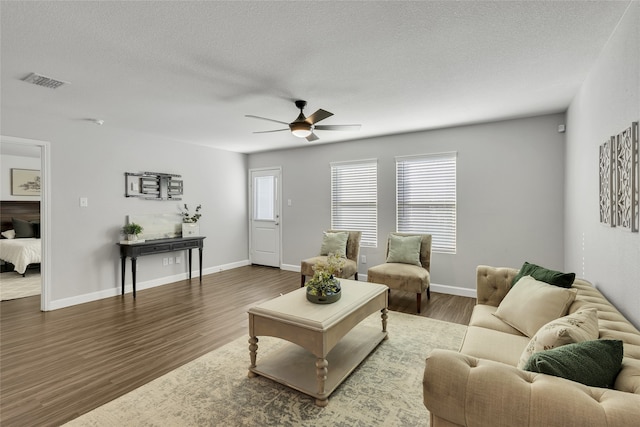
[(531, 304)]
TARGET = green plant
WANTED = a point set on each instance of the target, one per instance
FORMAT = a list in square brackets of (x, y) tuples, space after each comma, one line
[(323, 281), (188, 218), (132, 228)]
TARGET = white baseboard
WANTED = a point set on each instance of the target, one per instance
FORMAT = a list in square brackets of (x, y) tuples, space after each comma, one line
[(128, 287), (290, 267), (453, 290)]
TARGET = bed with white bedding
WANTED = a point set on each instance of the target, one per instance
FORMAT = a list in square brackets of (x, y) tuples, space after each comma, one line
[(20, 245), (21, 252)]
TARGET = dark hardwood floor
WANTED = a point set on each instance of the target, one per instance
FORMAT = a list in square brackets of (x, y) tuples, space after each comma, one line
[(55, 366)]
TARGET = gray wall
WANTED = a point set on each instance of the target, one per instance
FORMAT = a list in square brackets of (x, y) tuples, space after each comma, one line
[(90, 161), (608, 101), (509, 189)]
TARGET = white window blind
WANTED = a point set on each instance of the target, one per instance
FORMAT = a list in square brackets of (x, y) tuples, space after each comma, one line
[(354, 199), (426, 198)]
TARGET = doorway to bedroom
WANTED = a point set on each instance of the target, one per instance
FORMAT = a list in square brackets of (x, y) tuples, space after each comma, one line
[(23, 168)]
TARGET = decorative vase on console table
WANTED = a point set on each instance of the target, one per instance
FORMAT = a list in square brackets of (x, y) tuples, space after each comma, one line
[(324, 287), (190, 226)]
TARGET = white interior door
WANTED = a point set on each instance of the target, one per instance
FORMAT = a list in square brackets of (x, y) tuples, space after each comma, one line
[(265, 217)]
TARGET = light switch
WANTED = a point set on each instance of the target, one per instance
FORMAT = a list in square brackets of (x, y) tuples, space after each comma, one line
[(288, 202), (84, 202)]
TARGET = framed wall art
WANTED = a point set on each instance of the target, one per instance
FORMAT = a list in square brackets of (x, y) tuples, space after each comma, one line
[(607, 181), (25, 182), (625, 163)]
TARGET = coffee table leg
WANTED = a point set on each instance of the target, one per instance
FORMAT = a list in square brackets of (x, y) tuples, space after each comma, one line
[(384, 322), (253, 351), (321, 372)]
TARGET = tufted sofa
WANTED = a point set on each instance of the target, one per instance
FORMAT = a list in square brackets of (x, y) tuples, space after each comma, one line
[(481, 386)]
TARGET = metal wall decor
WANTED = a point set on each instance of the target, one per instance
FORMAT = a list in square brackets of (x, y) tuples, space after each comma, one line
[(153, 185), (619, 177)]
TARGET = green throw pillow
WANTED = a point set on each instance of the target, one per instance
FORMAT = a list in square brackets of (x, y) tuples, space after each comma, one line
[(552, 277), (594, 363), (335, 243), (404, 249)]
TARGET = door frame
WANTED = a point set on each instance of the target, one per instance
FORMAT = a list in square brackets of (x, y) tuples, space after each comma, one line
[(279, 207), (45, 213)]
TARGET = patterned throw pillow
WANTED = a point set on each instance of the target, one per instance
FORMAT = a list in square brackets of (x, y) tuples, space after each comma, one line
[(577, 327)]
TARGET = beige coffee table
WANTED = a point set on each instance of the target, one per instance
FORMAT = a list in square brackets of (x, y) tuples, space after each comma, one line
[(326, 342)]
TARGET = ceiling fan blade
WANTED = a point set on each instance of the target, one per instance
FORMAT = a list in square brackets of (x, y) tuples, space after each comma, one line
[(269, 131), (317, 116), (337, 127), (312, 137), (264, 118)]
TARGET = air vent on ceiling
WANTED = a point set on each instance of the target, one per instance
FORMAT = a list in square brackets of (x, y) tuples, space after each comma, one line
[(40, 80)]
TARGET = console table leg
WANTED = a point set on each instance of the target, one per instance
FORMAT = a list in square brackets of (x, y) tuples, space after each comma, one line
[(321, 372), (189, 264), (253, 351), (123, 265), (200, 262), (133, 274)]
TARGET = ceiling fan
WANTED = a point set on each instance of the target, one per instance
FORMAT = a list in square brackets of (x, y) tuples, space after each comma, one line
[(303, 127)]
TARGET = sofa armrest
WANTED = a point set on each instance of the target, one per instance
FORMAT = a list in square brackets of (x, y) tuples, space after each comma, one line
[(493, 283), (468, 391)]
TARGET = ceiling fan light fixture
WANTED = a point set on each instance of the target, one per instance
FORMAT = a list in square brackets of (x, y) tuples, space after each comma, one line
[(301, 129)]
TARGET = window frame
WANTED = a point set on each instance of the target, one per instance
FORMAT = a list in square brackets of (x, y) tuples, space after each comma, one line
[(364, 188), (434, 192)]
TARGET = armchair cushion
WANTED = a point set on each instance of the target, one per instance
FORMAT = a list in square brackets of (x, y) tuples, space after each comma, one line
[(334, 243), (404, 249), (404, 277), (350, 267)]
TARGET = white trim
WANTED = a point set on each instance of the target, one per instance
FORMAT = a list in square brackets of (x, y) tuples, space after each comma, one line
[(453, 290), (45, 214), (290, 267), (115, 291), (354, 162)]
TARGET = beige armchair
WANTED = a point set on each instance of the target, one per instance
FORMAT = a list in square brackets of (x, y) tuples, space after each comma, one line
[(351, 265), (409, 272)]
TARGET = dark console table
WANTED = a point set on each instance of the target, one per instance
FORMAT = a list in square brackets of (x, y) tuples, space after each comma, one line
[(158, 246)]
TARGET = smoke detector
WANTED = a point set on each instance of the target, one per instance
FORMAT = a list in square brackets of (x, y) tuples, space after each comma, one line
[(44, 81)]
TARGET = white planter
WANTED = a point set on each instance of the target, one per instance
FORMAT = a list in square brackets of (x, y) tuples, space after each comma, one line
[(190, 229)]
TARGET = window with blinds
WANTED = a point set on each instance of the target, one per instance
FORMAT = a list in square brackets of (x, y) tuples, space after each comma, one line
[(426, 198), (354, 199)]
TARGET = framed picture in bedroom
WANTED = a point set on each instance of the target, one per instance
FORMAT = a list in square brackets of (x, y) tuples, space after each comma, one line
[(25, 182)]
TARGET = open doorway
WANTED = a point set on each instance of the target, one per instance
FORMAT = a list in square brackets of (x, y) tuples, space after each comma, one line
[(24, 210)]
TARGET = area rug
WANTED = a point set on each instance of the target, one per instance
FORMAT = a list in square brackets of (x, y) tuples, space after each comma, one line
[(13, 285), (214, 390)]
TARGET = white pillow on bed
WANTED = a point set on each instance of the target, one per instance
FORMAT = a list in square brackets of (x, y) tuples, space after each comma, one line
[(9, 234)]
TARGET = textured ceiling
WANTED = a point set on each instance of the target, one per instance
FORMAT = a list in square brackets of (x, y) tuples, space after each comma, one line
[(190, 71)]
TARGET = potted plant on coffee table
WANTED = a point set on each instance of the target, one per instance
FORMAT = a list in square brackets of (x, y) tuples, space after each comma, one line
[(324, 287)]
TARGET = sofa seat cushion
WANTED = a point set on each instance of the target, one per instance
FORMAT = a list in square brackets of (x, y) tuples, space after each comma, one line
[(482, 316), (306, 266), (404, 277), (493, 345)]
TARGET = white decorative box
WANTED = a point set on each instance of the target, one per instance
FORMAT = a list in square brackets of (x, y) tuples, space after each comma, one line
[(190, 229)]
